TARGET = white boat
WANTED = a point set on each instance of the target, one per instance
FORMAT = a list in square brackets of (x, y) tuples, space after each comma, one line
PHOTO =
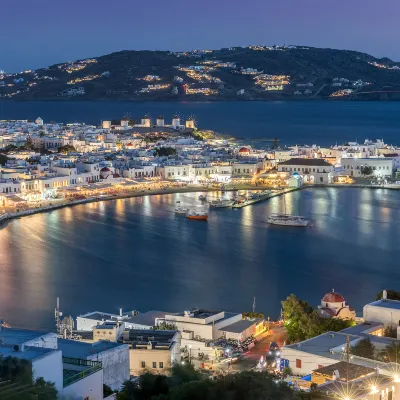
[(220, 203), (287, 220), (180, 209)]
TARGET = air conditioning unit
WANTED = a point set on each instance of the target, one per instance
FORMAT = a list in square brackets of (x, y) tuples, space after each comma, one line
[(19, 347)]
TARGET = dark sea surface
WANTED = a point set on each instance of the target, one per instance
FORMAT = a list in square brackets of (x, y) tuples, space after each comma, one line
[(137, 254), (294, 122)]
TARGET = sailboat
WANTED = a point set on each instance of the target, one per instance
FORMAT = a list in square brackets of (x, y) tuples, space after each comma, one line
[(287, 220)]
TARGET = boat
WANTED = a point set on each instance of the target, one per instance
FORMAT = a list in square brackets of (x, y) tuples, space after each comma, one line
[(220, 203), (287, 220), (199, 215), (202, 197), (179, 209)]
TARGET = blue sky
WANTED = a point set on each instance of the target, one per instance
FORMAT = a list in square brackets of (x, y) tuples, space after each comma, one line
[(36, 33)]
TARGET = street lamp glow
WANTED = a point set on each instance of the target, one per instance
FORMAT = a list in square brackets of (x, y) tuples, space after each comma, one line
[(373, 389), (396, 378)]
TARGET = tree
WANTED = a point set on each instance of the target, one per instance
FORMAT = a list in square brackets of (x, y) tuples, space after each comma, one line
[(390, 331), (391, 352), (363, 348), (3, 159), (66, 149), (165, 151), (366, 170), (165, 326), (303, 322), (252, 315), (18, 373), (391, 295)]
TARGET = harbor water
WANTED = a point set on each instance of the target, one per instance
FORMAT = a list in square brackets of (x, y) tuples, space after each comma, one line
[(137, 254), (292, 122)]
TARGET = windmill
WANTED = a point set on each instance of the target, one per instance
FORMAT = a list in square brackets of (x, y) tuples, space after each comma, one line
[(146, 120), (191, 122), (176, 120)]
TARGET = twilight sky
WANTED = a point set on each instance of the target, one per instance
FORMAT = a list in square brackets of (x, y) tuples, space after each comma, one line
[(37, 33)]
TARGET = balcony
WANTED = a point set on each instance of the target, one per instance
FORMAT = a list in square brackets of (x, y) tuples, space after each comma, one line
[(75, 369)]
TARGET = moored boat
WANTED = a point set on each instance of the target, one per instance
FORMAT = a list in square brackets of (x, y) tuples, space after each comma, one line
[(220, 203), (287, 220), (199, 215)]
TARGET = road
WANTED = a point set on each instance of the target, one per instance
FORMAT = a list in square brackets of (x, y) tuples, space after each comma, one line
[(251, 358)]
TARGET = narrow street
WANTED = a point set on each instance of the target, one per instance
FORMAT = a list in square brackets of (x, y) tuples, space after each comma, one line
[(251, 358)]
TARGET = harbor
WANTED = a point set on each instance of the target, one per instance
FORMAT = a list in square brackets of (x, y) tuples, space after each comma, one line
[(184, 261)]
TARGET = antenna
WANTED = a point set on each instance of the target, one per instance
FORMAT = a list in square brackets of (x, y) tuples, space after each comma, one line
[(254, 304)]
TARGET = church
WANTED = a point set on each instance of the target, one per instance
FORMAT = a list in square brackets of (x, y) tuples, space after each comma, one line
[(333, 305)]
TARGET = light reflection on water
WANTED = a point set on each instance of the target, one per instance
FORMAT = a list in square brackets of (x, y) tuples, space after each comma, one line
[(137, 254)]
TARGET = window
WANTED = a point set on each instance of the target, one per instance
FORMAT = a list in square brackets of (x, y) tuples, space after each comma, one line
[(154, 364), (161, 364), (298, 363), (143, 364)]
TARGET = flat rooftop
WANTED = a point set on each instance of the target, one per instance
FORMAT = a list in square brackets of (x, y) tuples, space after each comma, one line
[(17, 336), (146, 335), (30, 353), (147, 318), (395, 304), (240, 326), (75, 349), (350, 371)]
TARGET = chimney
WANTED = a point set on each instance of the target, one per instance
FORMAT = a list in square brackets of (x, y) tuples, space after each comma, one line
[(384, 295)]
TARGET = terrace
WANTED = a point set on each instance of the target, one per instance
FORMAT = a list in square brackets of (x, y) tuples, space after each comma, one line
[(75, 369)]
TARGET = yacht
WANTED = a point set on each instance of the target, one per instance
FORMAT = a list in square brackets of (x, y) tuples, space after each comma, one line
[(219, 203), (287, 220)]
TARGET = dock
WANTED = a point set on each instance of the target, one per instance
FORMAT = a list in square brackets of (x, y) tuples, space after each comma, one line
[(264, 197)]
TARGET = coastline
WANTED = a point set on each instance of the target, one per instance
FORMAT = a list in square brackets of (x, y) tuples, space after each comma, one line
[(192, 189)]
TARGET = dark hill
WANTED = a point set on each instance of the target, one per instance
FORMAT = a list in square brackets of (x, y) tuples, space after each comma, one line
[(292, 72)]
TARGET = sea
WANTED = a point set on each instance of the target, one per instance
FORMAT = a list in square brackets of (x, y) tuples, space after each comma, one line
[(136, 254), (295, 122)]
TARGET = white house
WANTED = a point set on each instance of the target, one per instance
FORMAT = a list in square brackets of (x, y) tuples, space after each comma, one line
[(381, 166), (312, 170), (73, 377)]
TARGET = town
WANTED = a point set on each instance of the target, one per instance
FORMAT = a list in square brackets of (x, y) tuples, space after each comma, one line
[(49, 165), (342, 357)]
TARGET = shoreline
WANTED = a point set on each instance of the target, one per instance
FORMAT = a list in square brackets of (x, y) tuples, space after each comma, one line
[(10, 216)]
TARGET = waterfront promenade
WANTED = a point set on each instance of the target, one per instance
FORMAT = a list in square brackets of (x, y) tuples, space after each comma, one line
[(54, 204)]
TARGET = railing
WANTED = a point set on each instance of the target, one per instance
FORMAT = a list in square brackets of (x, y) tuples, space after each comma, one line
[(91, 368)]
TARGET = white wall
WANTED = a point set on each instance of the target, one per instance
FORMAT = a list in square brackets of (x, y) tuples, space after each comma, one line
[(309, 362), (90, 387), (115, 365), (50, 368), (386, 316)]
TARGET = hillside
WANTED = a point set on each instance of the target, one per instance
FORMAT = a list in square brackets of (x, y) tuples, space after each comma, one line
[(251, 73)]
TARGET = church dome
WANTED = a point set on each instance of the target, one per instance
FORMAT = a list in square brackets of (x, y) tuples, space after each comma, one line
[(333, 297), (244, 150), (105, 169)]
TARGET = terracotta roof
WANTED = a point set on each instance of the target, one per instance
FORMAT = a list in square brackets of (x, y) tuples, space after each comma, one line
[(307, 162), (333, 297)]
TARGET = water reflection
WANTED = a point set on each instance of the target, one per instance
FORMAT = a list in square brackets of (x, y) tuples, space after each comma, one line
[(136, 253)]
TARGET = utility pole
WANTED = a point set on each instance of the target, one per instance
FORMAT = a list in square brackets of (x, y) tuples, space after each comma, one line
[(347, 362)]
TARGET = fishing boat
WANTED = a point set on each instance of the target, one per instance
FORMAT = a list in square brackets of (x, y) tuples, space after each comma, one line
[(199, 215), (287, 220), (220, 203)]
